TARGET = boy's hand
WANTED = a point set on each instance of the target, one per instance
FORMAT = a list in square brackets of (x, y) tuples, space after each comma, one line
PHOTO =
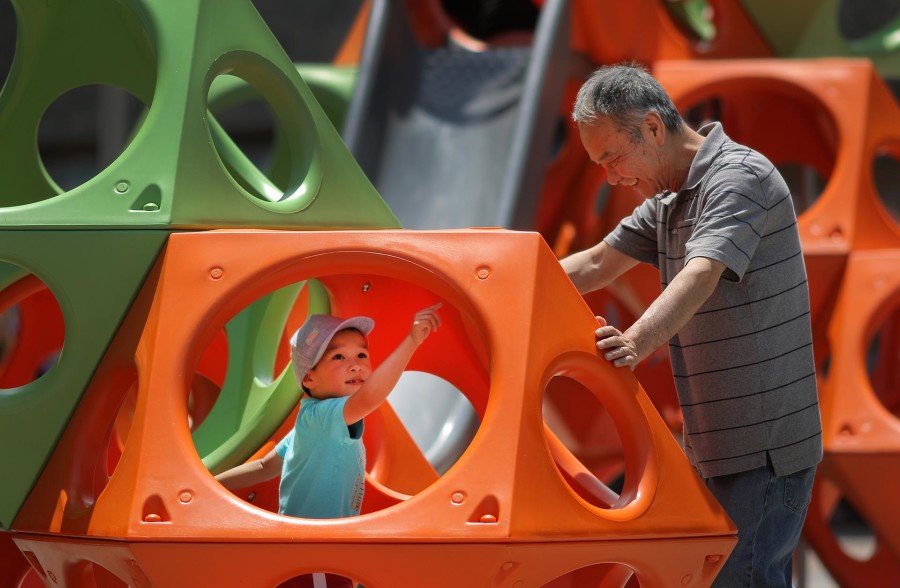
[(425, 321)]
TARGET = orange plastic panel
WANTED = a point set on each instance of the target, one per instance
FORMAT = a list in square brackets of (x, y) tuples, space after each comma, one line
[(610, 31), (77, 563), (848, 569), (855, 420), (512, 321), (14, 568), (351, 48), (862, 437)]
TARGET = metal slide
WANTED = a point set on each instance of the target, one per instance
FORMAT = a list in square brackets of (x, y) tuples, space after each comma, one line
[(454, 138)]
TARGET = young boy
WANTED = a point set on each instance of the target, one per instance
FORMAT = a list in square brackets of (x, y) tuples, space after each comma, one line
[(322, 460)]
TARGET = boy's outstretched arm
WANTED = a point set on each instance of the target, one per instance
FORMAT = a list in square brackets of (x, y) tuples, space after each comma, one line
[(252, 472), (383, 379)]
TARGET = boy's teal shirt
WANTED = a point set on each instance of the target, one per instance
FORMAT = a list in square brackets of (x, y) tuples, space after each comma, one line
[(323, 475)]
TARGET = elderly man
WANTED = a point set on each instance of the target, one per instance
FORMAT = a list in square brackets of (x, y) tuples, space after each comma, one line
[(719, 224)]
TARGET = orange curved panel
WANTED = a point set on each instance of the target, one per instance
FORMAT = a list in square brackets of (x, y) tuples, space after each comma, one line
[(13, 563), (609, 31), (512, 322), (40, 333), (849, 570), (77, 563), (855, 420), (861, 435)]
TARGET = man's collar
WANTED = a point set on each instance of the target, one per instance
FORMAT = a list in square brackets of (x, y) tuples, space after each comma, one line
[(715, 138)]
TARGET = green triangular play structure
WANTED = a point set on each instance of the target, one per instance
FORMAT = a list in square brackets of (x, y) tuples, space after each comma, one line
[(177, 171)]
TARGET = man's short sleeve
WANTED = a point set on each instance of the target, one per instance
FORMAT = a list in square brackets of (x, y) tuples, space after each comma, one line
[(636, 235), (732, 220)]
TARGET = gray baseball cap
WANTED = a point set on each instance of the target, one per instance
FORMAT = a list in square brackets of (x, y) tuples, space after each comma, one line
[(309, 342)]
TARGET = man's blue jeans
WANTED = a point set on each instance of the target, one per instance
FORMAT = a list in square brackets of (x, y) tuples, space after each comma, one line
[(769, 512)]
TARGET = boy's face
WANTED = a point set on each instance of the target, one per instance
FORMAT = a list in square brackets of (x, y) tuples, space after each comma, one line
[(344, 366)]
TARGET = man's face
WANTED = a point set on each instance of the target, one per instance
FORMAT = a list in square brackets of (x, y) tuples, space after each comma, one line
[(637, 165)]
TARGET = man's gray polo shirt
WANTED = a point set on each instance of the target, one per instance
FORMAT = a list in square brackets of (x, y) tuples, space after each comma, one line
[(743, 365)]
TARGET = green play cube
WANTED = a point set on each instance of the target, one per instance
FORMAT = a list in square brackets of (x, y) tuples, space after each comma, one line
[(180, 170)]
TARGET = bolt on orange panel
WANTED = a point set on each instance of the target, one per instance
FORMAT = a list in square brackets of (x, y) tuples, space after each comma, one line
[(512, 323), (833, 115)]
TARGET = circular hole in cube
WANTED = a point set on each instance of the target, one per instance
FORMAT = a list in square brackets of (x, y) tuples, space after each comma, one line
[(883, 357), (805, 149), (436, 390), (595, 466), (84, 130), (32, 329), (886, 174), (601, 574), (264, 135), (8, 37)]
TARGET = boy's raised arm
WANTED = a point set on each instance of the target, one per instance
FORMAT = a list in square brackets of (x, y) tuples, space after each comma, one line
[(385, 377)]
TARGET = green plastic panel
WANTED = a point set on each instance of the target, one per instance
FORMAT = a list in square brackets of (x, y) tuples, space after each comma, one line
[(695, 16), (331, 85), (180, 170), (811, 28), (94, 276)]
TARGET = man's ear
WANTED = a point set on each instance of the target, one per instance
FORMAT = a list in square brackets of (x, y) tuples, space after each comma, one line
[(654, 127)]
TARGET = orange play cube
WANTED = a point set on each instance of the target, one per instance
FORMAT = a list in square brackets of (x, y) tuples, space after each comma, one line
[(513, 325)]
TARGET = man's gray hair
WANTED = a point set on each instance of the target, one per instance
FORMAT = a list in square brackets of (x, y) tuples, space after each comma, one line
[(625, 93)]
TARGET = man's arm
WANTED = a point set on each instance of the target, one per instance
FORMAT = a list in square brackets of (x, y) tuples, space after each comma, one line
[(664, 317), (596, 267)]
